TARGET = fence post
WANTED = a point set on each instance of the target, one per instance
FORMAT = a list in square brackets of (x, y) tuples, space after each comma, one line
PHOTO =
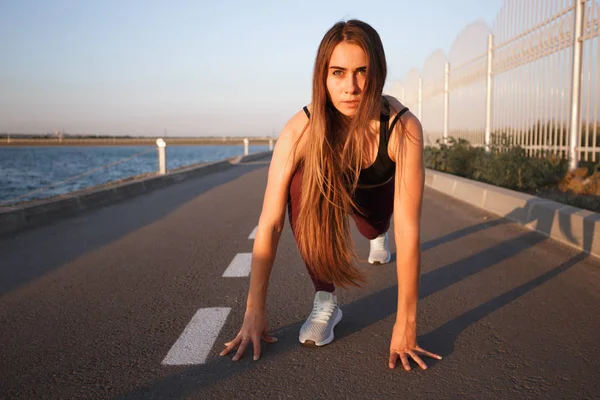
[(270, 144), (446, 101), (576, 85), (488, 98), (162, 156), (420, 99), (246, 141)]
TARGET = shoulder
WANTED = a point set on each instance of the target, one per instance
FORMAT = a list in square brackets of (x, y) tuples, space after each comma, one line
[(407, 117), (292, 134), (298, 122), (407, 121), (408, 129)]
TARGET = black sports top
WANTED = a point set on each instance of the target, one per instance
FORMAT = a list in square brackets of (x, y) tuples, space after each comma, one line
[(382, 170)]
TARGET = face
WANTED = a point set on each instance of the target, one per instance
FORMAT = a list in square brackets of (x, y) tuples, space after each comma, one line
[(346, 77)]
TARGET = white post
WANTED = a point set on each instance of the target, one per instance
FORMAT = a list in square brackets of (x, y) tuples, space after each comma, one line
[(446, 101), (271, 144), (162, 156), (576, 85), (420, 108), (246, 141), (488, 99)]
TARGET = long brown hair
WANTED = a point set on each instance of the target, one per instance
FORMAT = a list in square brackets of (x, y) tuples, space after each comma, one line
[(333, 159)]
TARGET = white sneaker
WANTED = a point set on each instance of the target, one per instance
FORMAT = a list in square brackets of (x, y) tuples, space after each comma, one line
[(380, 253), (318, 328)]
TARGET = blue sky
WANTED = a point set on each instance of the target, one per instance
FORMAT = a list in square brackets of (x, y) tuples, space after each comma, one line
[(192, 67)]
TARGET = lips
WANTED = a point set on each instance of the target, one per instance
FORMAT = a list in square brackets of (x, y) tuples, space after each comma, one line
[(351, 103)]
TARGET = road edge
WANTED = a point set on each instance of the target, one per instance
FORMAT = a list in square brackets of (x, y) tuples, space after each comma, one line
[(570, 225), (36, 213)]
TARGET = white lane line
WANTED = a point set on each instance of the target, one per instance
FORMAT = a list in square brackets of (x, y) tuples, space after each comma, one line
[(198, 337), (253, 234), (239, 266)]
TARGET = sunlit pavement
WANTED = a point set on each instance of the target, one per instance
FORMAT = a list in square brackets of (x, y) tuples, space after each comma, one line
[(136, 300)]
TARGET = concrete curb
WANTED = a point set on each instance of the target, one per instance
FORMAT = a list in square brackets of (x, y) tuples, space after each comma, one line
[(570, 225), (34, 213)]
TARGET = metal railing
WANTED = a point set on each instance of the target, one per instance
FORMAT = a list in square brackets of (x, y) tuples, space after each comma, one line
[(35, 192), (162, 170), (531, 80)]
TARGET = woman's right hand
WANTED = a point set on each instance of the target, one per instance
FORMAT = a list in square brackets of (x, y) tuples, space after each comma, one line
[(253, 329)]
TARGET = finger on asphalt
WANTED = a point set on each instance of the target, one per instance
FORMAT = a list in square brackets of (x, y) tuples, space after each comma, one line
[(229, 346), (256, 342), (427, 353), (269, 339), (241, 349), (417, 359), (405, 362)]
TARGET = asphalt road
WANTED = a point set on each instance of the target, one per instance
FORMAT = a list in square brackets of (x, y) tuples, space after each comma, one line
[(90, 307)]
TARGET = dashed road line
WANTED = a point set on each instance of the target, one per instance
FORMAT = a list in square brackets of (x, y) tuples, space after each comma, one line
[(253, 234), (198, 337), (239, 266)]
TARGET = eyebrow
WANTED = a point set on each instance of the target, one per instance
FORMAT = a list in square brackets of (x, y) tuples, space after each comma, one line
[(345, 69)]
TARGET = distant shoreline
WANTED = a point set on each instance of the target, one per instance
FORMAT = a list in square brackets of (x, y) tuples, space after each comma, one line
[(150, 141)]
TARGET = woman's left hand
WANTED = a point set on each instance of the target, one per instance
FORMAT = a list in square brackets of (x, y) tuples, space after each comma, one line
[(404, 346)]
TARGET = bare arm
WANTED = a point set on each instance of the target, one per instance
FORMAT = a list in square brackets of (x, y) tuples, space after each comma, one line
[(272, 217), (286, 156), (408, 198)]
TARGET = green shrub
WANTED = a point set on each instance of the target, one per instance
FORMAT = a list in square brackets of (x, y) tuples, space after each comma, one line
[(463, 158), (436, 157), (506, 165)]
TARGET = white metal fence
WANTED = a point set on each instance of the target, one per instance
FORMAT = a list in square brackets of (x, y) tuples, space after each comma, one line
[(531, 80)]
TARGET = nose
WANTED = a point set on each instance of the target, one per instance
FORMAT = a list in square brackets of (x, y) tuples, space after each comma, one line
[(351, 84)]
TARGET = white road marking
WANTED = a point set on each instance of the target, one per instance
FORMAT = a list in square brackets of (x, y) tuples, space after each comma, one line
[(198, 337), (239, 266), (253, 234)]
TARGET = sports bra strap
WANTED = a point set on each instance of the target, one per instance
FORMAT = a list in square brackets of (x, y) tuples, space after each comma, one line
[(405, 109), (307, 112)]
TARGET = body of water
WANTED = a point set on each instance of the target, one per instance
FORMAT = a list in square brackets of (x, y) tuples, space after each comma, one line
[(25, 169)]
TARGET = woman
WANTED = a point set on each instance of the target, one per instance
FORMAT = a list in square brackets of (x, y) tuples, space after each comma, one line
[(352, 152)]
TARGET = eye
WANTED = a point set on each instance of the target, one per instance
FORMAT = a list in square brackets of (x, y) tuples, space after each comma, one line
[(362, 72), (337, 72)]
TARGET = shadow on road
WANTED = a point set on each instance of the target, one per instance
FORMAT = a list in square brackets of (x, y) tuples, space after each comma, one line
[(380, 305), (444, 337), (22, 261), (360, 315)]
